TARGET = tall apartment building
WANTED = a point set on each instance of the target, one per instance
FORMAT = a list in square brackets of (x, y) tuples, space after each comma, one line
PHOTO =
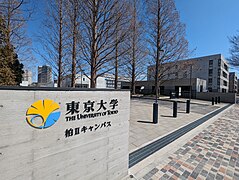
[(213, 69), (44, 74), (233, 82)]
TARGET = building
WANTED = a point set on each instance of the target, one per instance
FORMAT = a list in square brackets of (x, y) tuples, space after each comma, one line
[(179, 86), (82, 81), (44, 75), (105, 81), (233, 86), (237, 85), (110, 81), (26, 78), (213, 69)]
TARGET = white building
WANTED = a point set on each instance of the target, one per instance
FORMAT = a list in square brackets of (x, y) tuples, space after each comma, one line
[(81, 81), (233, 82), (213, 69), (105, 81), (26, 78)]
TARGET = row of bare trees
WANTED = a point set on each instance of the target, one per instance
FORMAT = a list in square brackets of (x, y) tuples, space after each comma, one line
[(100, 36), (94, 37)]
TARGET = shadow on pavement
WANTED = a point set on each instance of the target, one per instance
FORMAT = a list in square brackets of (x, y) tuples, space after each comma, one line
[(148, 122), (166, 116)]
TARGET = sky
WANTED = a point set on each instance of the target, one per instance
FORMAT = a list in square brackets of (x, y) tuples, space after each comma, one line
[(209, 24)]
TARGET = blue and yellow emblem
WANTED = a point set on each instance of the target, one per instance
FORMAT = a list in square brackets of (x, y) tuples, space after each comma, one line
[(43, 114)]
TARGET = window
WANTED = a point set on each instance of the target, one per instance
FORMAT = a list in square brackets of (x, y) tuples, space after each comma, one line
[(210, 80), (83, 79), (110, 83), (218, 81), (219, 62), (225, 67), (210, 62), (219, 71), (225, 83), (224, 74), (185, 74), (176, 74), (210, 72)]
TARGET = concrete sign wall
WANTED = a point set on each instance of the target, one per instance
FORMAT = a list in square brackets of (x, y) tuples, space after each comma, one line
[(63, 134)]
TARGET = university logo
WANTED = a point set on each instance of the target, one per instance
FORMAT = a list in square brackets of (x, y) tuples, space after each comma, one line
[(43, 114)]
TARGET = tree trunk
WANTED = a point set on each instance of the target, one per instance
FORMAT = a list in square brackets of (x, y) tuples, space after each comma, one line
[(116, 63), (93, 47), (158, 52), (133, 51), (60, 46), (73, 73)]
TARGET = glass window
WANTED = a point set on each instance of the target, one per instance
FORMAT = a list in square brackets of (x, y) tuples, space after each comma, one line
[(110, 83), (210, 62), (225, 67), (224, 74), (225, 83), (210, 80), (210, 72)]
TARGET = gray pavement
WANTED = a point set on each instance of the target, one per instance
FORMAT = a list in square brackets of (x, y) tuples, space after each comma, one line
[(210, 151), (143, 131)]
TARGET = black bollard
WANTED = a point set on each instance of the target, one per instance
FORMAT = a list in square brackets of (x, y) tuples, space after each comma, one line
[(188, 106), (155, 113), (219, 99), (212, 100), (215, 100), (175, 108)]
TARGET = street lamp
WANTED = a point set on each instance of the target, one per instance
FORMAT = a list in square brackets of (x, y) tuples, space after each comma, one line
[(190, 92), (155, 104)]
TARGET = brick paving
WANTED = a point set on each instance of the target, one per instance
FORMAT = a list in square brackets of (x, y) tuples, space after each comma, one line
[(211, 154)]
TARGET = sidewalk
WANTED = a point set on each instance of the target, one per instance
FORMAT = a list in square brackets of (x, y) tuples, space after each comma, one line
[(182, 100), (211, 151), (143, 131)]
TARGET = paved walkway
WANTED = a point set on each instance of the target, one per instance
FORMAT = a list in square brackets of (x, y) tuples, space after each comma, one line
[(142, 131), (210, 151)]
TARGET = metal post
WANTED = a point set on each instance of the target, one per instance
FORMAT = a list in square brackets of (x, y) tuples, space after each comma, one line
[(155, 113), (212, 100), (155, 105), (175, 108), (188, 106), (219, 99), (215, 100)]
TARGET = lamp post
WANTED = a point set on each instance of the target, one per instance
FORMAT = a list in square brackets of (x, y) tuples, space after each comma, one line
[(190, 92), (155, 104)]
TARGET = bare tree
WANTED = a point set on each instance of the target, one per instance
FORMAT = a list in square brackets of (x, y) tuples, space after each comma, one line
[(73, 25), (136, 56), (121, 36), (53, 39), (234, 51), (99, 26), (15, 14), (166, 36)]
